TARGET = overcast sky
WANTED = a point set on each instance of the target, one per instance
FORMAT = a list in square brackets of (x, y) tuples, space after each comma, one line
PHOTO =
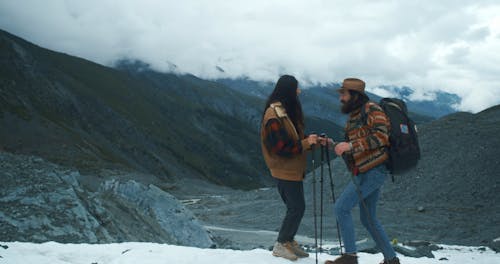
[(446, 45)]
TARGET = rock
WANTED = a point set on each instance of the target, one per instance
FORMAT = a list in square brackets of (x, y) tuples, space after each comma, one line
[(367, 246), (418, 252), (171, 215), (495, 245), (41, 202), (417, 243)]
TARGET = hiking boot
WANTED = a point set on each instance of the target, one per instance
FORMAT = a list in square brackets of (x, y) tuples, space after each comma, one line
[(284, 250), (297, 250), (344, 259), (394, 260)]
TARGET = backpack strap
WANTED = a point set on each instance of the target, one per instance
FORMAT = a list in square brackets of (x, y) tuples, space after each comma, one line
[(364, 115), (364, 118), (397, 106)]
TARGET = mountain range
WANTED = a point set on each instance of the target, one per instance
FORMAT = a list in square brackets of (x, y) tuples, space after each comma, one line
[(325, 94)]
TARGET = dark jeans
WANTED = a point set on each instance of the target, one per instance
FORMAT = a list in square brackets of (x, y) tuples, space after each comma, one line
[(292, 193)]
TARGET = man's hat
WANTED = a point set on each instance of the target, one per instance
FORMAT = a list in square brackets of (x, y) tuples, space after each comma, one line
[(353, 84)]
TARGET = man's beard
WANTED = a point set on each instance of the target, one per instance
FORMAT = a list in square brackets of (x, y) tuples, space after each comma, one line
[(351, 105), (348, 106)]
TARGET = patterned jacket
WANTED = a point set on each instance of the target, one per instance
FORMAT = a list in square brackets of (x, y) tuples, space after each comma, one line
[(283, 146), (369, 138)]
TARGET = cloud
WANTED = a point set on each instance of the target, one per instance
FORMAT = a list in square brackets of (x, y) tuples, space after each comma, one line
[(452, 46)]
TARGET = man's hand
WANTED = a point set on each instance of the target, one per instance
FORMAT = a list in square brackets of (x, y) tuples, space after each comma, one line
[(324, 140), (342, 147)]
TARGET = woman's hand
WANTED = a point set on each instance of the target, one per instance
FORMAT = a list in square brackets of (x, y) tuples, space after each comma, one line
[(312, 139)]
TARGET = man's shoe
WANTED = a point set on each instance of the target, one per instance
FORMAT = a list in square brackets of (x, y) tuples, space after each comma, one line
[(284, 250), (297, 250), (344, 259), (394, 260)]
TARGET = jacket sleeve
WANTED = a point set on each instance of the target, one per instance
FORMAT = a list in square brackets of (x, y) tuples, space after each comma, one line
[(378, 131), (278, 141)]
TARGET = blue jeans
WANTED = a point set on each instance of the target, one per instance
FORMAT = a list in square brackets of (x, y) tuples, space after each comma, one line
[(368, 184)]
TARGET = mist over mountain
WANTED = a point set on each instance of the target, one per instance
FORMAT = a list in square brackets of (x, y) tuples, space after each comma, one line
[(442, 103)]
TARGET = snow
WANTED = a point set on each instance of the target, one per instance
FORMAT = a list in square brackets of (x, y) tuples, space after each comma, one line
[(153, 253)]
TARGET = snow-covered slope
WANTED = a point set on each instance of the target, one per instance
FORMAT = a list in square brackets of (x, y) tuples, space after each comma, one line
[(151, 253)]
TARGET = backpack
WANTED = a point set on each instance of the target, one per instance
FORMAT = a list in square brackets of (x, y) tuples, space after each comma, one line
[(404, 151)]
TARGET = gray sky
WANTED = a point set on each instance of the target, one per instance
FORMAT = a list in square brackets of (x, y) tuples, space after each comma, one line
[(452, 46)]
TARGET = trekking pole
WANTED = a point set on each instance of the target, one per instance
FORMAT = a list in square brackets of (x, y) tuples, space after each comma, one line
[(332, 187), (314, 205), (322, 160)]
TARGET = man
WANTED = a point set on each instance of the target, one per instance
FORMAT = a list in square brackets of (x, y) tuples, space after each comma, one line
[(364, 153)]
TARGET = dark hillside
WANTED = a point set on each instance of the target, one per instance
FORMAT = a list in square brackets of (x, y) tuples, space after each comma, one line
[(457, 182), (78, 113)]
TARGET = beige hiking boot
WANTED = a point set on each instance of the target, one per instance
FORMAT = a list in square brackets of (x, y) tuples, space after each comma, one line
[(297, 250), (284, 250)]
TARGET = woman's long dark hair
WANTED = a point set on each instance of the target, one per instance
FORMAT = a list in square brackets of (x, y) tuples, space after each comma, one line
[(285, 92)]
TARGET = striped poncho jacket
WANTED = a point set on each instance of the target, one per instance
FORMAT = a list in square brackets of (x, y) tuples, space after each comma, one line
[(369, 138)]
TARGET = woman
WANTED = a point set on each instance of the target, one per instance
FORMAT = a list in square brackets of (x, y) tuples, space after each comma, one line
[(284, 148)]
